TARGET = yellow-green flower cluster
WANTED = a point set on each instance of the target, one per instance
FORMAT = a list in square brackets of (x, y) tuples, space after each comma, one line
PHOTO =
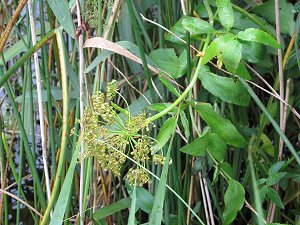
[(139, 174), (109, 139)]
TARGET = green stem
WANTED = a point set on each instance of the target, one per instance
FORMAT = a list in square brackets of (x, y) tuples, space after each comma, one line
[(186, 91), (272, 121), (26, 56), (64, 139)]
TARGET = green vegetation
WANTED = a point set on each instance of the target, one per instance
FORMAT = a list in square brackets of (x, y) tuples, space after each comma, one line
[(149, 112)]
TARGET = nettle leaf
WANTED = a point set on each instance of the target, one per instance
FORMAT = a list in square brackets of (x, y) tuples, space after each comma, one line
[(197, 147), (167, 60), (286, 12), (225, 13), (225, 88), (252, 34), (234, 200), (197, 26), (164, 134), (273, 195), (219, 125), (232, 55), (216, 147)]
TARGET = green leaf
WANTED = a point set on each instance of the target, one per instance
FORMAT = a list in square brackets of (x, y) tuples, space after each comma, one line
[(62, 201), (254, 52), (60, 8), (275, 168), (144, 200), (225, 13), (273, 195), (197, 26), (267, 145), (185, 124), (112, 208), (232, 55), (234, 200), (225, 88), (225, 167), (170, 86), (242, 71), (167, 61), (219, 125), (286, 12), (252, 34), (164, 134), (131, 219), (211, 52), (216, 147), (197, 147), (275, 178)]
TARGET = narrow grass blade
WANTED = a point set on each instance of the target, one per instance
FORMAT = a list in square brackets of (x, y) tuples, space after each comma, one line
[(59, 211)]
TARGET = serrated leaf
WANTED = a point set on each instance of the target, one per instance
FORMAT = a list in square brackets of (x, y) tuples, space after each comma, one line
[(197, 147), (252, 34), (232, 55), (216, 147), (60, 8), (197, 26), (167, 61), (234, 200), (165, 133), (219, 125), (225, 88), (225, 13), (273, 195)]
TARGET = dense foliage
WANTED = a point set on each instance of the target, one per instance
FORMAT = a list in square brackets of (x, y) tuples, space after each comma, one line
[(150, 112)]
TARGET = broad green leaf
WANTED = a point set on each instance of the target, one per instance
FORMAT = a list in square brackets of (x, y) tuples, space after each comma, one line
[(144, 200), (267, 145), (232, 55), (164, 134), (60, 8), (210, 52), (219, 125), (275, 178), (197, 147), (253, 52), (234, 200), (167, 61), (275, 168), (225, 167), (180, 32), (216, 147), (273, 195), (252, 34), (62, 201), (242, 71), (225, 88), (225, 13), (112, 208), (197, 26), (286, 12)]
